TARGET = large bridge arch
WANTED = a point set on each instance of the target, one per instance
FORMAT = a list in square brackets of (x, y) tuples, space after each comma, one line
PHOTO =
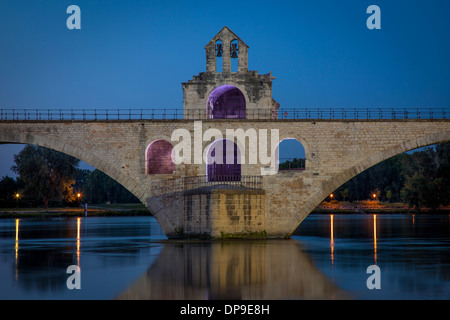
[(74, 151), (335, 182)]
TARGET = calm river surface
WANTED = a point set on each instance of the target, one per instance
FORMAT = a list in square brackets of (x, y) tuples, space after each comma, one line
[(130, 258)]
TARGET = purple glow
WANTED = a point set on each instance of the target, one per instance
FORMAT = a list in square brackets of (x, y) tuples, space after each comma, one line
[(223, 165), (159, 158), (226, 102)]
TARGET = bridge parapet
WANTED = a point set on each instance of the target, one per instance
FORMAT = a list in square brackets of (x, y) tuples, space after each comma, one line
[(283, 113)]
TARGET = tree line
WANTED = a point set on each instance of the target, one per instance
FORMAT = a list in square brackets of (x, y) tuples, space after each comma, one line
[(420, 179), (50, 178)]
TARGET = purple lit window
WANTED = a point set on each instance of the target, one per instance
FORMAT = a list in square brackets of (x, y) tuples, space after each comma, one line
[(226, 102), (159, 158), (223, 165)]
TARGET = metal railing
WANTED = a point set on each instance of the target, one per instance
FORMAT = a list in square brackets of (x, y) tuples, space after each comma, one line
[(201, 181), (364, 113), (201, 114)]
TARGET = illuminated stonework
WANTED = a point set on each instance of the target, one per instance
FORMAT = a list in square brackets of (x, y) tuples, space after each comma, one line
[(251, 97)]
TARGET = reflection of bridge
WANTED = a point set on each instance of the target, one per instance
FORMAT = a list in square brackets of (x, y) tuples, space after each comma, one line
[(134, 147), (233, 271)]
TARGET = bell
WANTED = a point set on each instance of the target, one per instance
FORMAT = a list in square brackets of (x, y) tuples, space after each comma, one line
[(234, 50), (219, 50)]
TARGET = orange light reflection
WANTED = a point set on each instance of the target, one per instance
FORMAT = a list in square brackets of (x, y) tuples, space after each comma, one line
[(375, 237), (78, 240), (16, 248), (332, 238)]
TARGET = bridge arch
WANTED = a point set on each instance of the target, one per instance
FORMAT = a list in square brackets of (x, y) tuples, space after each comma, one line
[(335, 182), (76, 152)]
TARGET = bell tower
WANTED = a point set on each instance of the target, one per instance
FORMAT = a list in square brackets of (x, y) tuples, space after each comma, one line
[(228, 90), (228, 46)]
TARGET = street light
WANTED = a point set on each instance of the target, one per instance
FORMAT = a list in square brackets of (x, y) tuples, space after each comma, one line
[(17, 199), (78, 197)]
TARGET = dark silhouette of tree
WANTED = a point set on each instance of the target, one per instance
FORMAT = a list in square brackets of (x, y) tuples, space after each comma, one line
[(419, 179), (47, 174)]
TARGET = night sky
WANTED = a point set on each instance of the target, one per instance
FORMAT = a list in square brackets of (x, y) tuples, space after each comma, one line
[(136, 54)]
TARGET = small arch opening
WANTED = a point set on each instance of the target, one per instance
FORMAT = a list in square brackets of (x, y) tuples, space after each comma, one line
[(226, 102), (159, 158), (290, 155), (223, 161)]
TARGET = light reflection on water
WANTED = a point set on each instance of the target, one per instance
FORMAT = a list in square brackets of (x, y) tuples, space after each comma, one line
[(412, 251), (130, 258)]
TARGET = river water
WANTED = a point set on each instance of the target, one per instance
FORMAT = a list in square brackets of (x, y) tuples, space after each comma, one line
[(130, 258)]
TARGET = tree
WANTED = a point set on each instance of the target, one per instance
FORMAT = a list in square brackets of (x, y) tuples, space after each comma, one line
[(8, 189), (428, 177), (414, 192), (294, 164), (100, 188), (344, 194), (46, 174), (389, 195)]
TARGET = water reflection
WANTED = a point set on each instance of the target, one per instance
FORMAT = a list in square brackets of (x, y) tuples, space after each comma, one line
[(233, 270), (16, 250), (36, 252), (78, 241), (332, 238), (375, 238), (412, 251), (326, 259), (35, 266)]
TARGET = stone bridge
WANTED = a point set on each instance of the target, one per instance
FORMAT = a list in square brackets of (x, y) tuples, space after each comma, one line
[(335, 151), (247, 197)]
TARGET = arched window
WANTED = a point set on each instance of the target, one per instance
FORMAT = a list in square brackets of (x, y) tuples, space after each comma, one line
[(223, 161), (291, 155), (159, 158), (226, 102), (219, 56)]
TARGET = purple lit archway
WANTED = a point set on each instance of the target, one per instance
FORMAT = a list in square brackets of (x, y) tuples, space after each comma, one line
[(226, 102), (159, 158), (222, 165)]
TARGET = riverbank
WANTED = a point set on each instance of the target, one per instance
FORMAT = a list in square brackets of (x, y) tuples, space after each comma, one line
[(118, 210), (372, 207), (114, 210)]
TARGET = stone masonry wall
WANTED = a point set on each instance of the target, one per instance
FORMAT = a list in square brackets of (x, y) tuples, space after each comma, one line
[(212, 213), (335, 152)]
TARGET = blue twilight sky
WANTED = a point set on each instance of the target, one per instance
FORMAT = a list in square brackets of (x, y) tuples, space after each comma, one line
[(135, 54)]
